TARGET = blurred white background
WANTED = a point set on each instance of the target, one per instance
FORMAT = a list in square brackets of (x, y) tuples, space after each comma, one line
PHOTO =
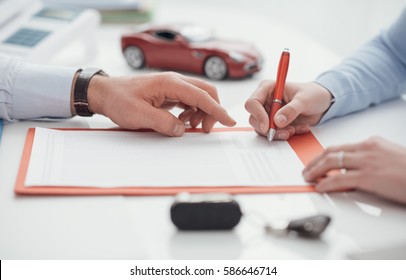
[(339, 25)]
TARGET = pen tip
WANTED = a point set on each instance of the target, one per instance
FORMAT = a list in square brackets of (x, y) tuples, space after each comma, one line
[(270, 135)]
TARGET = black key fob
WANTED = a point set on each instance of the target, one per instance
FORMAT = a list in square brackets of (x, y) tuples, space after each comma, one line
[(213, 211), (310, 227)]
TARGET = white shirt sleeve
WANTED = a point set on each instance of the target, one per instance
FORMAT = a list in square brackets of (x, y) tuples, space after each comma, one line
[(30, 91)]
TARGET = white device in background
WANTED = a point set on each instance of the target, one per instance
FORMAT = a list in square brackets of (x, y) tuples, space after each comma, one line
[(98, 4), (36, 32)]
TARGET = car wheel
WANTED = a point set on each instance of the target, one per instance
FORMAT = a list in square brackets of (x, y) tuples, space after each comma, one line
[(134, 56), (215, 68)]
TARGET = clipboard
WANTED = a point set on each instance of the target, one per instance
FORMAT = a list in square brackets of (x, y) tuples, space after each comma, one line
[(305, 146)]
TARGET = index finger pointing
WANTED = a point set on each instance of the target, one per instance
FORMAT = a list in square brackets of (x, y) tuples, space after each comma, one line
[(197, 97)]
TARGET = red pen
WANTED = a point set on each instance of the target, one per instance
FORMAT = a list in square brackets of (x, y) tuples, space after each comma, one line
[(278, 92)]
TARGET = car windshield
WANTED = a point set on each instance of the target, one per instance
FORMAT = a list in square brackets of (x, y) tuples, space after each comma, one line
[(195, 34)]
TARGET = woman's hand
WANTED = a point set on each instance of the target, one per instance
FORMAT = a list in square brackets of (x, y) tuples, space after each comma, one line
[(375, 165), (305, 104)]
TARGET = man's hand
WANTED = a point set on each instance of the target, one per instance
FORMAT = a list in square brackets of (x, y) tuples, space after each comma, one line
[(143, 101)]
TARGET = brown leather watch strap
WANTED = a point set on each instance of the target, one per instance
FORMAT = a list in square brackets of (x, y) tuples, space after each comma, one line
[(80, 101)]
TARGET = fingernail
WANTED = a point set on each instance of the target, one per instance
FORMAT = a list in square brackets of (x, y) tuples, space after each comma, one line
[(306, 177), (283, 135), (304, 173), (234, 121), (178, 130), (280, 119)]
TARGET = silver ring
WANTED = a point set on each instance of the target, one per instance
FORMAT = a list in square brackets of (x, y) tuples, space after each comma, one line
[(277, 101), (340, 159)]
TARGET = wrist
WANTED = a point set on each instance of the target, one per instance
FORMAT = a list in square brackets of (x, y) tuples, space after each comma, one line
[(97, 93), (86, 83), (326, 98), (331, 99)]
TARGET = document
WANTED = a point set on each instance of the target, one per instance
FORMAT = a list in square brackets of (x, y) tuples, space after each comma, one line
[(108, 158)]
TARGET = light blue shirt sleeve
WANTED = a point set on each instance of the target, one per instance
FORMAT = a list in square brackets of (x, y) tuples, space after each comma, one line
[(30, 91), (373, 74)]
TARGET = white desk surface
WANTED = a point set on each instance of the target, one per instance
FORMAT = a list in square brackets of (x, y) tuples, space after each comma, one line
[(116, 227)]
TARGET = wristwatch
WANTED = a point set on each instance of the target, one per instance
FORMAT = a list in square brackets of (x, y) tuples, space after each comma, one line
[(80, 101)]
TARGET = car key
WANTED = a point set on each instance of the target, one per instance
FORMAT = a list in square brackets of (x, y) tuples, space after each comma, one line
[(310, 227)]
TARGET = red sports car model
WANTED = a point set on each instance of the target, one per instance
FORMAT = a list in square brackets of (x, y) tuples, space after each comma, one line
[(190, 48)]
